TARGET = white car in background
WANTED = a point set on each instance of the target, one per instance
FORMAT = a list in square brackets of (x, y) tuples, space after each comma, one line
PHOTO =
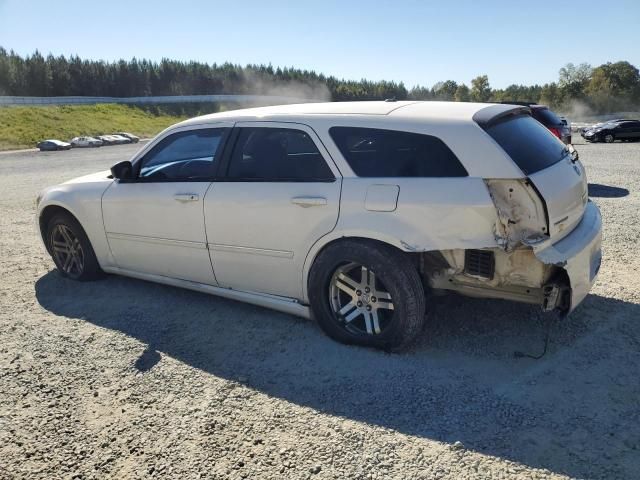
[(85, 142), (351, 213)]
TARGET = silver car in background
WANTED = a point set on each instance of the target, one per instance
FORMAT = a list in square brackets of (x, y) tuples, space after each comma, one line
[(85, 142)]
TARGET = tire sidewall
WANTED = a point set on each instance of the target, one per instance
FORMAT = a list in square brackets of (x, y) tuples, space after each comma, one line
[(388, 269)]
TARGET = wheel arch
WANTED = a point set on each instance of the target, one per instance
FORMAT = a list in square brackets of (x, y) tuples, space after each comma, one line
[(88, 215), (47, 213), (334, 238)]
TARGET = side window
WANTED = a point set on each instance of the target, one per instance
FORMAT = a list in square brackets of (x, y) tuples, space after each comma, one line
[(277, 154), (188, 155), (373, 152)]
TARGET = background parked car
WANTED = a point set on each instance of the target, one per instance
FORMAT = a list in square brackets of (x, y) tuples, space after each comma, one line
[(82, 142), (48, 145), (120, 139), (600, 124), (559, 126), (114, 139), (626, 130), (130, 136), (107, 139)]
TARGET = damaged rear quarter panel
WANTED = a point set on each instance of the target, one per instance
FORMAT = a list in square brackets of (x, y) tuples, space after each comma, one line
[(431, 213)]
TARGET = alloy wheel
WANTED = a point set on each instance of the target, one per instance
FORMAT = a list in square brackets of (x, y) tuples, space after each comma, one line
[(67, 251), (359, 300)]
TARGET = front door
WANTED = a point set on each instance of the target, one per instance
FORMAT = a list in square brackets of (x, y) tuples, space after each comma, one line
[(280, 195), (155, 223)]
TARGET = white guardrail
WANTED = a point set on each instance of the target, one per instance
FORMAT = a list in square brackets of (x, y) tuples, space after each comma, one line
[(259, 99)]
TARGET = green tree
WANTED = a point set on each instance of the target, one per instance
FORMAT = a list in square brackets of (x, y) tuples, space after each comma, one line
[(480, 89), (444, 90), (462, 94), (609, 87), (549, 95), (573, 80), (614, 86)]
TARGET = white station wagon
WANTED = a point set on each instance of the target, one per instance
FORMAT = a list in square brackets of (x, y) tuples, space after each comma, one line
[(354, 214)]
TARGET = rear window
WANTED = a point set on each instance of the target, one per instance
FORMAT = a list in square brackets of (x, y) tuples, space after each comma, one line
[(529, 144), (546, 116), (373, 152)]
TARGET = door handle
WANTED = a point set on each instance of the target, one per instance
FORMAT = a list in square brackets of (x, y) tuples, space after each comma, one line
[(306, 202), (186, 197)]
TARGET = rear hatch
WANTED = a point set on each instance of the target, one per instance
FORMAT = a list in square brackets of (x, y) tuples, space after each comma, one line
[(548, 163)]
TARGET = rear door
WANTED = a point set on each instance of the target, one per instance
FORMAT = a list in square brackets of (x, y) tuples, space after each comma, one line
[(543, 158), (280, 195)]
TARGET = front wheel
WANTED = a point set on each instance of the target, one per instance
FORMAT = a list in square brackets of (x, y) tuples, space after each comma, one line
[(70, 249), (609, 138), (367, 293)]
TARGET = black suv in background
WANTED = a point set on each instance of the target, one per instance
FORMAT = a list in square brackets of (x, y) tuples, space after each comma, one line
[(559, 127)]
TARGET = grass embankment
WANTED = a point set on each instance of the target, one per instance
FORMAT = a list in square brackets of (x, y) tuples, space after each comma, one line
[(23, 127)]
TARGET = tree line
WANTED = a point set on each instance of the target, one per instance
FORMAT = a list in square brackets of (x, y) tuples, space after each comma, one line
[(606, 88)]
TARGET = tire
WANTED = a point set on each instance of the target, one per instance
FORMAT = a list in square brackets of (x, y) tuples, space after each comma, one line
[(399, 311), (609, 138), (64, 230)]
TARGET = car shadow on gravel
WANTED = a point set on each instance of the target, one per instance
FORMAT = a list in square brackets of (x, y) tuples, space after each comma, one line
[(606, 191), (575, 411)]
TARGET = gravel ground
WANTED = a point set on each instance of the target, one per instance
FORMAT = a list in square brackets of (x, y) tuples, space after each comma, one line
[(127, 379)]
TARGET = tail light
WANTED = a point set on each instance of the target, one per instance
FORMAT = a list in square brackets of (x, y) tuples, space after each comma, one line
[(555, 131)]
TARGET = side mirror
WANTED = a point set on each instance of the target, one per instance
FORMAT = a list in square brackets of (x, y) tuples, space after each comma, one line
[(122, 170)]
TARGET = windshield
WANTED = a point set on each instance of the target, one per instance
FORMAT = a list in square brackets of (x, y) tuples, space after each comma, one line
[(529, 144)]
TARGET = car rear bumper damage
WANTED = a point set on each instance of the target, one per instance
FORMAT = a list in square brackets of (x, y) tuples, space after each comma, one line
[(555, 276), (579, 254)]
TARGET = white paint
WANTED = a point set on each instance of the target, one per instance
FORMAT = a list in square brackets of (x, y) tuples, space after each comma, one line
[(264, 236)]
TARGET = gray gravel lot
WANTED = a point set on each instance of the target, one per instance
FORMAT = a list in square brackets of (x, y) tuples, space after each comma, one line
[(127, 379)]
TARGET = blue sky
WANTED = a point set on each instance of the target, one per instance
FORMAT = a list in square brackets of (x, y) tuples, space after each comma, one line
[(417, 42)]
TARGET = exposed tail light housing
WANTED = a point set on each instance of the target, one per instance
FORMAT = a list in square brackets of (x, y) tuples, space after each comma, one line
[(522, 213)]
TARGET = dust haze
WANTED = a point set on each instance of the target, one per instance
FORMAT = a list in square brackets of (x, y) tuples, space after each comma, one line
[(305, 92)]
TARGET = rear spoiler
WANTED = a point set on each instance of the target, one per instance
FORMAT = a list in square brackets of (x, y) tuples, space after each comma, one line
[(493, 114)]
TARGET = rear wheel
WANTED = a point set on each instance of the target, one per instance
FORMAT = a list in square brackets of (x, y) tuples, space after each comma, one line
[(70, 249), (609, 138), (368, 294)]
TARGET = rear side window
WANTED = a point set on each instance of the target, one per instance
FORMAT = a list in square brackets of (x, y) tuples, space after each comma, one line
[(277, 154), (373, 152), (529, 144)]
